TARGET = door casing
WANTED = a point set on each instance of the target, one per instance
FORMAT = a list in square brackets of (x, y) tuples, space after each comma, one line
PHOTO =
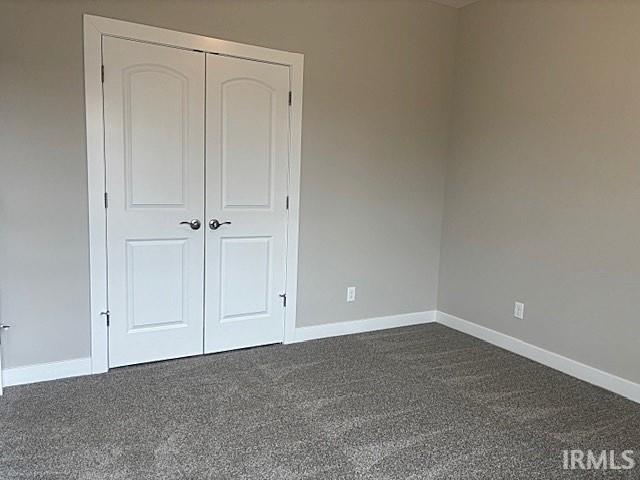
[(95, 28)]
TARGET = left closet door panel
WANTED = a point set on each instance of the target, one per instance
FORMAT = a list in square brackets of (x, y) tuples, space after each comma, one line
[(154, 154)]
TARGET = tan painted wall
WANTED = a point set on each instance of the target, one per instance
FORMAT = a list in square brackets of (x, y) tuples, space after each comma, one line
[(377, 89), (543, 182)]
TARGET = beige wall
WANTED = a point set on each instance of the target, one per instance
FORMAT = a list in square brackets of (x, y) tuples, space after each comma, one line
[(543, 182), (377, 89)]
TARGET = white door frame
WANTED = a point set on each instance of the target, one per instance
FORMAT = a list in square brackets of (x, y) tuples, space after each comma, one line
[(94, 29)]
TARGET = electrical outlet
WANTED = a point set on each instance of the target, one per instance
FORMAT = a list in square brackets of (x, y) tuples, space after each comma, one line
[(351, 294), (518, 310)]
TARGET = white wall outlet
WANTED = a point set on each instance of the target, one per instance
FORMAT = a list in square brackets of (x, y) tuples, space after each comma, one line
[(351, 294), (518, 310)]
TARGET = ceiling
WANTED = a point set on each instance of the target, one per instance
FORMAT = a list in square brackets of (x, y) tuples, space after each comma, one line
[(455, 3)]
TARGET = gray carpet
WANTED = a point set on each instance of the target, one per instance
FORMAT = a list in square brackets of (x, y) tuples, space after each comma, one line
[(410, 403)]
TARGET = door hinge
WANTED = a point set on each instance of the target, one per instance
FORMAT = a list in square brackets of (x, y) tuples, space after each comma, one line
[(283, 296), (289, 97), (102, 73), (106, 200), (287, 202), (107, 316)]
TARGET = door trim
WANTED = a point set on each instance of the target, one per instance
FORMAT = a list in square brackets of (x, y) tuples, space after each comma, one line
[(94, 29)]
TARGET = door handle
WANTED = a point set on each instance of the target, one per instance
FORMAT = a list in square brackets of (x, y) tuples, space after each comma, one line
[(194, 224), (215, 224)]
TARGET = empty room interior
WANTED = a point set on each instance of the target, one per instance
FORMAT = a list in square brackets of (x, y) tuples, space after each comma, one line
[(319, 239)]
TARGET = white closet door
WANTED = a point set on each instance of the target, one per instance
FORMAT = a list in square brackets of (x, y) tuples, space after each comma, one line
[(247, 176), (154, 150)]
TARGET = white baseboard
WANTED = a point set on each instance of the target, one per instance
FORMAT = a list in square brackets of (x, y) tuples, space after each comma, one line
[(82, 366), (302, 334), (592, 375), (43, 372)]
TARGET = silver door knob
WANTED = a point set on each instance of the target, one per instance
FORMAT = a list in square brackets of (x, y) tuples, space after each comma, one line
[(215, 224), (194, 224), (4, 327)]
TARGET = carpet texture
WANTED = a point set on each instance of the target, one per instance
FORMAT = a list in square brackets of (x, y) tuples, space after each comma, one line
[(422, 402)]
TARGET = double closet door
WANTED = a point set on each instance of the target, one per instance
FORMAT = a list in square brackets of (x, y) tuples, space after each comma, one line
[(196, 153)]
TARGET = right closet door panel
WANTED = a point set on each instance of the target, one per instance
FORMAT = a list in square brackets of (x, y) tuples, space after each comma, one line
[(247, 143)]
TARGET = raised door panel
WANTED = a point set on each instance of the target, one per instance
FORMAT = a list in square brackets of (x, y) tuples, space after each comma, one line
[(156, 146), (156, 286), (245, 275), (247, 144)]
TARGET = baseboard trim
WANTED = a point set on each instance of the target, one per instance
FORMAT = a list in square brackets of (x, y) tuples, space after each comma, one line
[(44, 372), (302, 334), (589, 374), (82, 366)]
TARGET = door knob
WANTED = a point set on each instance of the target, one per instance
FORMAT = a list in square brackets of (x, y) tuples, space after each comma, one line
[(215, 224), (194, 224)]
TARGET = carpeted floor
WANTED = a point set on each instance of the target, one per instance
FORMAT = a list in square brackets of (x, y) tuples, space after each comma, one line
[(410, 403)]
